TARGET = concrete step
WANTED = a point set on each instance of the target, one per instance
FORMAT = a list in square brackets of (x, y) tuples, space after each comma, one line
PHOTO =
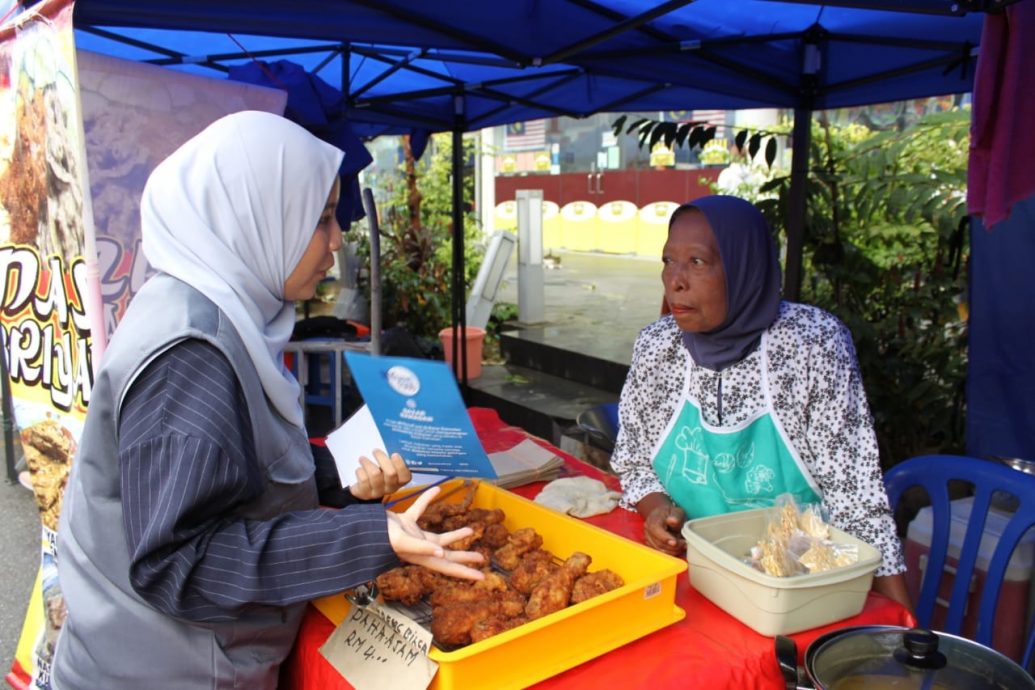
[(539, 402), (535, 347)]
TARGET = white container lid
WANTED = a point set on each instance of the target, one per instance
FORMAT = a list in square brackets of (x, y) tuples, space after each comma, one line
[(1020, 566)]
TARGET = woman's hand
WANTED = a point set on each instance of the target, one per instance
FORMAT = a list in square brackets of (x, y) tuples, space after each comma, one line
[(662, 522), (384, 478), (414, 545)]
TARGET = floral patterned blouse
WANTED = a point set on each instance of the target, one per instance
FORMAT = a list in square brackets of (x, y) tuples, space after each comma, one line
[(817, 394)]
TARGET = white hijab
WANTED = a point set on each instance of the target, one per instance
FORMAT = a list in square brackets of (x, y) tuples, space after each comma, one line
[(230, 213)]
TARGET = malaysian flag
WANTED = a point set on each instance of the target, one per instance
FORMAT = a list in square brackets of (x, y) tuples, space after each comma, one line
[(711, 118), (525, 136)]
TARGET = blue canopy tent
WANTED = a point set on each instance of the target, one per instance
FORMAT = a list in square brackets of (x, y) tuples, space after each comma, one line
[(458, 66), (405, 66)]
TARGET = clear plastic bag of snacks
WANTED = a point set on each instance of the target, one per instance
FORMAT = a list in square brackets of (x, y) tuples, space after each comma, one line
[(797, 541)]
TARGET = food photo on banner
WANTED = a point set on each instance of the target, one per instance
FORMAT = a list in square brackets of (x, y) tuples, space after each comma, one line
[(46, 333)]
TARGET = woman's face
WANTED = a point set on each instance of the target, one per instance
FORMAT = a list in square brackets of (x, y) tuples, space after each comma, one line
[(694, 279), (318, 257)]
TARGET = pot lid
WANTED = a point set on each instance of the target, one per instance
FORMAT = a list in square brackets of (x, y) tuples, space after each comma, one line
[(913, 658)]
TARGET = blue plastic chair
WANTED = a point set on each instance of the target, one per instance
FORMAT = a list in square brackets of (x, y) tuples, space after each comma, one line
[(601, 425), (933, 473)]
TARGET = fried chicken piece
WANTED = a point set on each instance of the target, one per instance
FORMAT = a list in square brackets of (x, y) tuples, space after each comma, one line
[(554, 592), (451, 625), (484, 549), (534, 567), (487, 627), (429, 578), (519, 542), (488, 516), (477, 530), (595, 584), (496, 535), (458, 591), (436, 513), (577, 564), (511, 603), (403, 584)]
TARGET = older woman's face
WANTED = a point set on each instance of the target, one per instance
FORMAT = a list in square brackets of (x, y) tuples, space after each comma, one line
[(694, 279)]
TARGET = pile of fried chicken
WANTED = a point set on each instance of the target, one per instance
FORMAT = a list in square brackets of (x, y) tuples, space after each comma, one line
[(522, 580)]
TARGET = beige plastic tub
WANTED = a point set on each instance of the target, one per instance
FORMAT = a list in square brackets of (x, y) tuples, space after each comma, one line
[(716, 547)]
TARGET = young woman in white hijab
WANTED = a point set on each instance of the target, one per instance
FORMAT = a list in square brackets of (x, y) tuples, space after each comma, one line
[(191, 534)]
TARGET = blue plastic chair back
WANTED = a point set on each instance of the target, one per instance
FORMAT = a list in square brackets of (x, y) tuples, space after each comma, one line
[(933, 473), (601, 424)]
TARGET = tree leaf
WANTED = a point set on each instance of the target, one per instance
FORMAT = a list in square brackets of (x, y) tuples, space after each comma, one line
[(740, 138), (682, 132), (770, 151), (618, 124), (754, 144), (659, 131)]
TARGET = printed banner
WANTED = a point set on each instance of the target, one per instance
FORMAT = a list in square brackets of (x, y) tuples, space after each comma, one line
[(46, 334), (134, 116)]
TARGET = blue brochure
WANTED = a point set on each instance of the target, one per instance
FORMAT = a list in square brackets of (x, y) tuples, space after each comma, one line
[(417, 408)]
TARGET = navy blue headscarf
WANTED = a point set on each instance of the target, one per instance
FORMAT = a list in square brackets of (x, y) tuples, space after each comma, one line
[(752, 280)]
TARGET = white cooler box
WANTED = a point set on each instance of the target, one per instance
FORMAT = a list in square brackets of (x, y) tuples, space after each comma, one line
[(1016, 598)]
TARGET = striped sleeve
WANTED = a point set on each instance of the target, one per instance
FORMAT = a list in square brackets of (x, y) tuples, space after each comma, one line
[(187, 462)]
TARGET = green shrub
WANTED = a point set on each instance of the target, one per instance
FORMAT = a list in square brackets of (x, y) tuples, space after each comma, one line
[(416, 225)]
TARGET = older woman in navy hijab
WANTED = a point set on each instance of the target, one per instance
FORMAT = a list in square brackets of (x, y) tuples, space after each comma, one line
[(737, 399)]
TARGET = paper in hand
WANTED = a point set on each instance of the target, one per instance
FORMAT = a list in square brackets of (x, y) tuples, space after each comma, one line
[(359, 437)]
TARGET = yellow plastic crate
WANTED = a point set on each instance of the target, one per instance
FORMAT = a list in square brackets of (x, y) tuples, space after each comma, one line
[(562, 640)]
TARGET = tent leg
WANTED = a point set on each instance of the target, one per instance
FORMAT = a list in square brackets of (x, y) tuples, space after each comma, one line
[(459, 314), (802, 142), (7, 412)]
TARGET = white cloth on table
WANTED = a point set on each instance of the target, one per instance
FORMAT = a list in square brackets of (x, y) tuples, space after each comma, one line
[(578, 496)]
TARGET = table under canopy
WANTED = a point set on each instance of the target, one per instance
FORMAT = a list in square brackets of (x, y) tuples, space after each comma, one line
[(708, 646)]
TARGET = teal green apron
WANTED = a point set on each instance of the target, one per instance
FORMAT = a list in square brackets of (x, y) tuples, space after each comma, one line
[(709, 470)]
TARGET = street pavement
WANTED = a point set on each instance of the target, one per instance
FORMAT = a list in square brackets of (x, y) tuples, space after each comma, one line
[(19, 561)]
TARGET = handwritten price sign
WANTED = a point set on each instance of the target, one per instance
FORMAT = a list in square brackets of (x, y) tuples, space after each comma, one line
[(377, 648)]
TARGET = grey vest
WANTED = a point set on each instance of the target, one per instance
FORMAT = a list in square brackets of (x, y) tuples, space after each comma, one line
[(112, 638)]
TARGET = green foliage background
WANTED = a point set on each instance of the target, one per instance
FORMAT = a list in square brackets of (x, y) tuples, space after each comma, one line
[(416, 227), (885, 250)]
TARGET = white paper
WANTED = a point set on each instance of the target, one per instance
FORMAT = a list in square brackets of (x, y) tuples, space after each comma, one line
[(358, 436)]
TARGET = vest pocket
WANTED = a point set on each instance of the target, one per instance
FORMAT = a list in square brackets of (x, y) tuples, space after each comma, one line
[(294, 464)]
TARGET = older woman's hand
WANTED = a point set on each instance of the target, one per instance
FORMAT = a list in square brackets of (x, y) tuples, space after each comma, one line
[(384, 478), (413, 545), (662, 522)]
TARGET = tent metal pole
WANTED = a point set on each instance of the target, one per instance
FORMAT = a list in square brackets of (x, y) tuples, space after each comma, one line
[(375, 271), (417, 54), (616, 30), (569, 77), (428, 21), (459, 315), (801, 138), (6, 410)]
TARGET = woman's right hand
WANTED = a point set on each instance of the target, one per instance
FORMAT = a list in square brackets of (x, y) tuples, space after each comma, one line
[(380, 480), (413, 545), (662, 522)]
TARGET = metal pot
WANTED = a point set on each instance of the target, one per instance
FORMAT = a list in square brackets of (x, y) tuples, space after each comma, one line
[(893, 657)]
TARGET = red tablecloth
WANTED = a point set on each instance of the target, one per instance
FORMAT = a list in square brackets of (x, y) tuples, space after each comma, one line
[(707, 649)]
